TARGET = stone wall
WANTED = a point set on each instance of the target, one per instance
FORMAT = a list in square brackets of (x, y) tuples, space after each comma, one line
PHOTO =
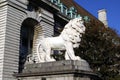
[(12, 14), (58, 70), (47, 23), (3, 17), (43, 30), (10, 21)]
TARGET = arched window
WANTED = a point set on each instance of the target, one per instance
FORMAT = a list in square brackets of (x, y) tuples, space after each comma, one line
[(26, 40)]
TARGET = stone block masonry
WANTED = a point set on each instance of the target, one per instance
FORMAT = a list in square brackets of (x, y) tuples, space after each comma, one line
[(59, 70), (10, 21), (12, 15)]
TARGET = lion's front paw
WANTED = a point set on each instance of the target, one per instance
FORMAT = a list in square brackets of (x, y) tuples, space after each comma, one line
[(80, 59), (77, 58), (50, 60)]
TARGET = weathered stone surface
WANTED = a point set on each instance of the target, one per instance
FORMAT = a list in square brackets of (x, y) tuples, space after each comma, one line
[(58, 66), (59, 70)]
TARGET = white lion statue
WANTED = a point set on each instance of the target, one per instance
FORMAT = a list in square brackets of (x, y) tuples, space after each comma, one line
[(69, 39)]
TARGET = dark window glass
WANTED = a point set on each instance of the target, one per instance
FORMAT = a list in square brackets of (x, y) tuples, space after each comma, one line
[(58, 25), (26, 43)]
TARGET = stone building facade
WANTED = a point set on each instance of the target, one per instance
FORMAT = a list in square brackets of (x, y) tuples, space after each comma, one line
[(19, 30)]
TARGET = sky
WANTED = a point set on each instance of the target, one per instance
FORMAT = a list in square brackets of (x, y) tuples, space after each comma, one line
[(112, 7)]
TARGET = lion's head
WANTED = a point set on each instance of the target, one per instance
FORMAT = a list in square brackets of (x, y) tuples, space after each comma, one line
[(73, 31)]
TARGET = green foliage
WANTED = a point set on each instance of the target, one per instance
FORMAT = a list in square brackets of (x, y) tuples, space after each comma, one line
[(100, 46)]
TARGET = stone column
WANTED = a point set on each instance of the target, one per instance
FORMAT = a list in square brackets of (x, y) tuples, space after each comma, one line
[(3, 17), (11, 14)]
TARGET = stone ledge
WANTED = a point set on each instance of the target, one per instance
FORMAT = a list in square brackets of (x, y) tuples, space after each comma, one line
[(58, 67)]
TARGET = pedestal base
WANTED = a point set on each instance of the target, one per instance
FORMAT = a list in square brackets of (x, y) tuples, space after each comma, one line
[(59, 70)]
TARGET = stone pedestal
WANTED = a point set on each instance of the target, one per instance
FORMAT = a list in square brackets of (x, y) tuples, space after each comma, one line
[(59, 70)]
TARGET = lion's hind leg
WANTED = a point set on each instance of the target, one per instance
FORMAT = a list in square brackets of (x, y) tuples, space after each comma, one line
[(48, 56), (40, 53)]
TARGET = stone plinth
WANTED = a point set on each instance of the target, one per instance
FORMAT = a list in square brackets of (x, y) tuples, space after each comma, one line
[(59, 70)]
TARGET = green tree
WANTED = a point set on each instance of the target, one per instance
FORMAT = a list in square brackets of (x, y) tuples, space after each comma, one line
[(100, 46)]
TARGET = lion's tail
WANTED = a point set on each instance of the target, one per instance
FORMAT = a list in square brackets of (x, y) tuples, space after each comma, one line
[(40, 52)]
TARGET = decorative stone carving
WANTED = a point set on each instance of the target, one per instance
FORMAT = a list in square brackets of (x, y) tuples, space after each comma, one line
[(69, 38)]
